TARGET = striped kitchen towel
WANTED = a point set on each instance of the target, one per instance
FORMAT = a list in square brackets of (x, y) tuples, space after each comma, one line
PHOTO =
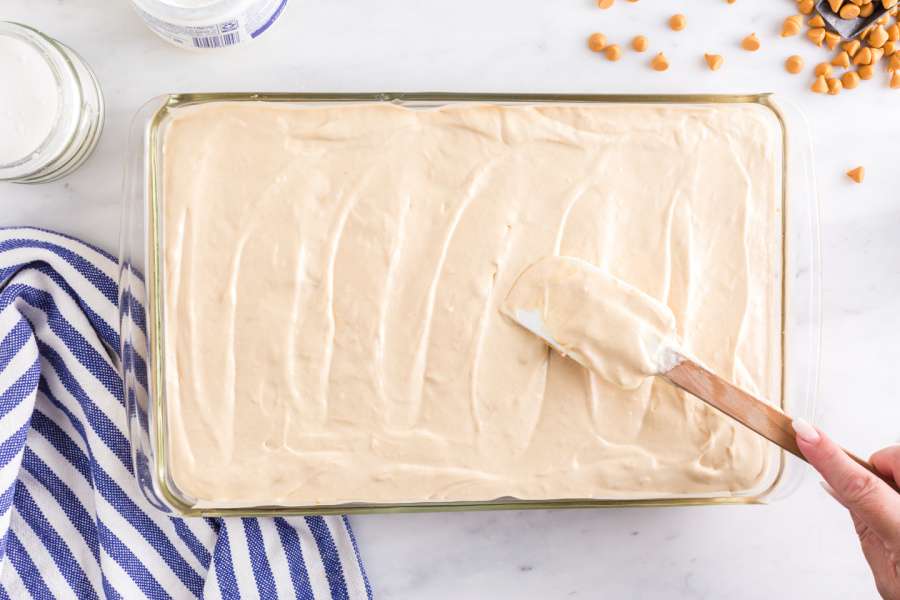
[(73, 523)]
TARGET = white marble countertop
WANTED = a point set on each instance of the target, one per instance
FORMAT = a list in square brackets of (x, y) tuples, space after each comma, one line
[(802, 546)]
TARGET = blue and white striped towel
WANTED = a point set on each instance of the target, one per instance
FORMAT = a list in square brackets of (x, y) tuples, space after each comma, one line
[(72, 520)]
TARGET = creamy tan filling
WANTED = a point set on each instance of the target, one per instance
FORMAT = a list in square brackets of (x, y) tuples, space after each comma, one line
[(615, 330), (333, 278)]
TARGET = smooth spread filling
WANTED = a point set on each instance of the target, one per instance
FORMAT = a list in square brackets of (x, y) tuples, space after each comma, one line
[(615, 330), (334, 276)]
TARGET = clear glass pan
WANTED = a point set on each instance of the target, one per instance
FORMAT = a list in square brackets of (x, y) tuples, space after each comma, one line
[(143, 324)]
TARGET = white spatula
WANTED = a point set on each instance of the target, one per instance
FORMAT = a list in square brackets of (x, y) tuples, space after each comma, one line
[(569, 303)]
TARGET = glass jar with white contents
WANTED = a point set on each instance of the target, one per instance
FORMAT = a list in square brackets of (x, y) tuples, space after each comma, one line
[(51, 107), (209, 24)]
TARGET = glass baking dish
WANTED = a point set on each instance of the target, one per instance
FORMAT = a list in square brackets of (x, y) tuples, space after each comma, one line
[(143, 324)]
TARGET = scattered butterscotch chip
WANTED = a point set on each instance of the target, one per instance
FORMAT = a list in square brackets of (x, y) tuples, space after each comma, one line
[(817, 21), (835, 5), (850, 80), (877, 54), (841, 60), (639, 43), (823, 69), (894, 32), (659, 62), (806, 6), (863, 57), (889, 48), (794, 64), (677, 22), (834, 86), (866, 72), (792, 26), (878, 37), (613, 52), (817, 35), (597, 42), (604, 4), (895, 80), (713, 61), (820, 86), (750, 43), (832, 40), (857, 174), (894, 63), (866, 10), (849, 11), (888, 4), (731, 1), (851, 47)]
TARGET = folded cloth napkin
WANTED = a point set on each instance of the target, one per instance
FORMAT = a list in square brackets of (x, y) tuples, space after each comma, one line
[(73, 523)]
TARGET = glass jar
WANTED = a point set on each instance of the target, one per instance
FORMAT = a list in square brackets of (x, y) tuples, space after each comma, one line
[(79, 118)]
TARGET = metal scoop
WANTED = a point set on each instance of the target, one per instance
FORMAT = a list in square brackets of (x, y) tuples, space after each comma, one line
[(848, 28)]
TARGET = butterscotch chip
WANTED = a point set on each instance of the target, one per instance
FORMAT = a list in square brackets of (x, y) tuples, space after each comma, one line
[(659, 62), (604, 4), (894, 63), (832, 40), (613, 52), (806, 6), (639, 43), (841, 60), (851, 47), (878, 37), (677, 22), (863, 57), (713, 61), (835, 5), (817, 21), (857, 174), (823, 69), (889, 48), (820, 86), (597, 42), (866, 10), (894, 32), (792, 26), (849, 11), (817, 35), (866, 72), (850, 80), (877, 54), (794, 64), (750, 43), (895, 80), (834, 86), (888, 4)]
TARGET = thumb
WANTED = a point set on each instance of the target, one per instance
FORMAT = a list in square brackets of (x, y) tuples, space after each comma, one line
[(868, 497)]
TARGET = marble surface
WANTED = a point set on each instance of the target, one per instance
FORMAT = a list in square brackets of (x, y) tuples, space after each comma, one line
[(802, 546)]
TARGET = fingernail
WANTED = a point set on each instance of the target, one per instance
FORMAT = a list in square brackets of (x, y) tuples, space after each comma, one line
[(805, 431)]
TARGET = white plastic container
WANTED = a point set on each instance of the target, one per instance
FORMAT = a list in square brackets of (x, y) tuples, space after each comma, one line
[(209, 24)]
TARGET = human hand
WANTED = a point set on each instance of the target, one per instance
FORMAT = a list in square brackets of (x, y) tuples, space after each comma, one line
[(873, 505)]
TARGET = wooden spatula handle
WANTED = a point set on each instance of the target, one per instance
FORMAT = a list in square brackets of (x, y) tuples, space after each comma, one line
[(765, 419)]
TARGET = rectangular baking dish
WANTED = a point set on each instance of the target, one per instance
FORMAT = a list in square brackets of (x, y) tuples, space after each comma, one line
[(143, 324)]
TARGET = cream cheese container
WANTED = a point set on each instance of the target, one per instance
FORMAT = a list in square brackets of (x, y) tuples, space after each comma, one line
[(209, 24), (51, 107)]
